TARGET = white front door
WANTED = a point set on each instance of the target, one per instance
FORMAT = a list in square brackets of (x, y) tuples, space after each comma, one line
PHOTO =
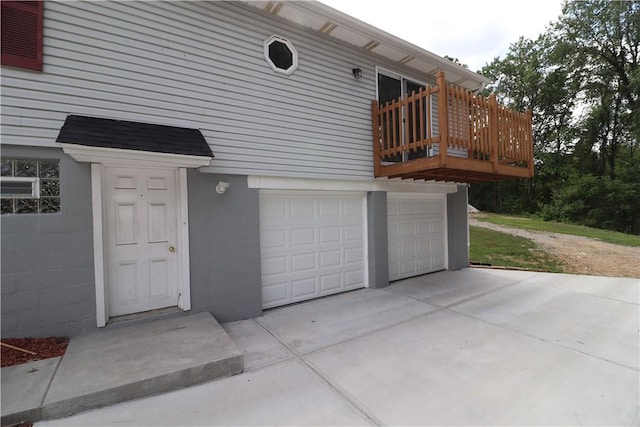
[(141, 239), (416, 232)]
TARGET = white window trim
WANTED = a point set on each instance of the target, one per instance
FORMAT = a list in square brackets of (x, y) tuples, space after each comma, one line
[(294, 54), (397, 76), (35, 187)]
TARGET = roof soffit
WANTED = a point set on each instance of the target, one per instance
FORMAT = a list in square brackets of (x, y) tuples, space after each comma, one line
[(331, 22)]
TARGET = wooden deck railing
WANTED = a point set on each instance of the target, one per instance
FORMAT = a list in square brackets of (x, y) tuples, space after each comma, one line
[(445, 131)]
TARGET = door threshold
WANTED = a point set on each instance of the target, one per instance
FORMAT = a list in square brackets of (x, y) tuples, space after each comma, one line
[(133, 317)]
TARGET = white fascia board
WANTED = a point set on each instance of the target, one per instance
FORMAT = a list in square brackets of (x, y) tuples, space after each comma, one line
[(118, 156), (281, 183)]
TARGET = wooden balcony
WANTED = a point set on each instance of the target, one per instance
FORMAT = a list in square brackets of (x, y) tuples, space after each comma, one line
[(445, 133)]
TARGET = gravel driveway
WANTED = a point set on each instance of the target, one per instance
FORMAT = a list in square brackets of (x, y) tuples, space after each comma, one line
[(580, 255)]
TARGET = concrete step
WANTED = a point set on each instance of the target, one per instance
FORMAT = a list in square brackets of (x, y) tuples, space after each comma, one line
[(127, 363)]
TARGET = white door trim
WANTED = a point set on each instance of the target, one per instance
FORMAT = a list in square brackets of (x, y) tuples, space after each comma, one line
[(184, 288), (102, 309), (184, 278)]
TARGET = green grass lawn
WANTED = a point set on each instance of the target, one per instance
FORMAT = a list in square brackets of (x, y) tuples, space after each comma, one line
[(500, 249), (538, 224)]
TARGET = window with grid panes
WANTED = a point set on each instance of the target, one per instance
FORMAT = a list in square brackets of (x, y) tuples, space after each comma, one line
[(29, 186)]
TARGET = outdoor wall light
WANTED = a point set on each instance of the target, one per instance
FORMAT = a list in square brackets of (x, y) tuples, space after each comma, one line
[(357, 72), (222, 187)]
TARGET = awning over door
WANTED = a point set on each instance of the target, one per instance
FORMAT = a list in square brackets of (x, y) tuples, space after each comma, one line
[(125, 135)]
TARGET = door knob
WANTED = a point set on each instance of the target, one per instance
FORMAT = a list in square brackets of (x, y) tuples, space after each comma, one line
[(172, 249)]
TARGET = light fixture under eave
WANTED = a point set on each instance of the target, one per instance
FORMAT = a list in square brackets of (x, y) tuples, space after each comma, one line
[(357, 72)]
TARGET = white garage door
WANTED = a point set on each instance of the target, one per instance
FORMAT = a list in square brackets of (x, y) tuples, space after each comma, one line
[(416, 228), (312, 244)]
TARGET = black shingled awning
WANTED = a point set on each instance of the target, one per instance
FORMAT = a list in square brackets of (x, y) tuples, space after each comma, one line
[(107, 133)]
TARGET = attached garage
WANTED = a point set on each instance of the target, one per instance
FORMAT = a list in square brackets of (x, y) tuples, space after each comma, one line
[(312, 243), (417, 234)]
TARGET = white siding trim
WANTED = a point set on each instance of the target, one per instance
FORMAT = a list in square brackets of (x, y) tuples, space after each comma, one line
[(121, 157), (446, 234), (365, 239), (184, 285), (102, 310), (280, 183)]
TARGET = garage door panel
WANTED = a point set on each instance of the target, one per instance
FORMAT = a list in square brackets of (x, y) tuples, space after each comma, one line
[(423, 227), (271, 211), (407, 247), (424, 264), (353, 209), (274, 265), (275, 293), (329, 234), (302, 237), (406, 207), (407, 267), (304, 288), (329, 208), (330, 283), (324, 245), (353, 233), (423, 206), (274, 238), (392, 231), (303, 262), (407, 229), (353, 279), (416, 233), (353, 256), (394, 270), (331, 258), (438, 209), (301, 209)]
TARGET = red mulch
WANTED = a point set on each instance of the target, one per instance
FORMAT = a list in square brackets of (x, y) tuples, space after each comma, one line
[(44, 348)]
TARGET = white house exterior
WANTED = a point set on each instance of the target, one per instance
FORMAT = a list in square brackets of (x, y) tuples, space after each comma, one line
[(110, 213)]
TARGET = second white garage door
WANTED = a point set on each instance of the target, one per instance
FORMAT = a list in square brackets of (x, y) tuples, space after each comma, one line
[(312, 244), (416, 229)]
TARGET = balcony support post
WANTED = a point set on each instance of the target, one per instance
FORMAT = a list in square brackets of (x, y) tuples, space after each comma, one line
[(493, 130), (443, 117)]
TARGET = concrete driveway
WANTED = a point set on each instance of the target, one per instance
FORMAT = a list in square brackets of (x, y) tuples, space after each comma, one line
[(471, 347)]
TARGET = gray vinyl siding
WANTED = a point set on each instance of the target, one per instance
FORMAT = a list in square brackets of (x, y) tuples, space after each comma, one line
[(201, 65)]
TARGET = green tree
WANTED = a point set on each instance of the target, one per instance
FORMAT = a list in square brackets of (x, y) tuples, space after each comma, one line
[(602, 40), (582, 82)]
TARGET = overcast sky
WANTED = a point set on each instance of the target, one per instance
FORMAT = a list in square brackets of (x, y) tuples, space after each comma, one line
[(474, 31)]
